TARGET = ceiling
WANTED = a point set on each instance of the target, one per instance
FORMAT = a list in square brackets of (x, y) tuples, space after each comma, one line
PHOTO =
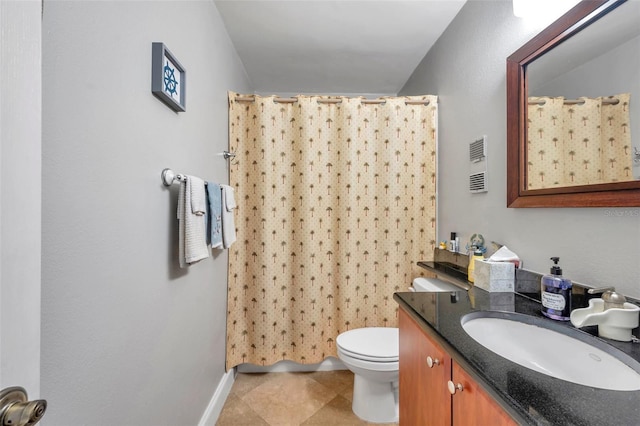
[(334, 47)]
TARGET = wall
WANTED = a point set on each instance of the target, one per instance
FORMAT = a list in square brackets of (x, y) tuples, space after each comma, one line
[(128, 338), (20, 187), (466, 68)]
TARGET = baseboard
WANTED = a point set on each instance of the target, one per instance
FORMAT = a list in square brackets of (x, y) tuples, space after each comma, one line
[(211, 414), (328, 364)]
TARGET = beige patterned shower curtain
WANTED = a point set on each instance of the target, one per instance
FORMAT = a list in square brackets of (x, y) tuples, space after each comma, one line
[(583, 143), (336, 204)]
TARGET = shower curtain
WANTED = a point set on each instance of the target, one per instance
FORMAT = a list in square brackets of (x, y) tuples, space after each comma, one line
[(336, 204), (578, 143)]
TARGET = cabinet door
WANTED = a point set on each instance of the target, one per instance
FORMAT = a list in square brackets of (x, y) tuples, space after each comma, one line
[(473, 406), (424, 397)]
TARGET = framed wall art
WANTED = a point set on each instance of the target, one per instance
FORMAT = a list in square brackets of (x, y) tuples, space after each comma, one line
[(168, 78)]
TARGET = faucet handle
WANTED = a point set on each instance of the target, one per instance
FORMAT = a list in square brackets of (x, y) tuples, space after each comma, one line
[(600, 290), (610, 297)]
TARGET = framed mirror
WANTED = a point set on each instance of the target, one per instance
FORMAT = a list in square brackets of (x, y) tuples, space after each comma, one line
[(573, 113)]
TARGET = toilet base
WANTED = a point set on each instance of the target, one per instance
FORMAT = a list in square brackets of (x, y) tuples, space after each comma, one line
[(375, 402)]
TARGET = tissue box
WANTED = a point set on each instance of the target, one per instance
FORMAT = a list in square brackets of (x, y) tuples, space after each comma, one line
[(494, 276)]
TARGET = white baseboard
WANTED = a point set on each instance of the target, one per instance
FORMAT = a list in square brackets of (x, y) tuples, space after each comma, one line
[(211, 414), (328, 364)]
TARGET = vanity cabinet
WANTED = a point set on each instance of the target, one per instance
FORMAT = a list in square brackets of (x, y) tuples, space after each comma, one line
[(424, 397), (472, 405), (434, 390)]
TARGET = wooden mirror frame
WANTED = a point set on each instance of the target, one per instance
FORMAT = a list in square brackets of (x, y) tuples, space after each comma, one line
[(619, 194)]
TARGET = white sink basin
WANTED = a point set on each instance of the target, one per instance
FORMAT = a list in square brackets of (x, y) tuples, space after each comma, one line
[(554, 350)]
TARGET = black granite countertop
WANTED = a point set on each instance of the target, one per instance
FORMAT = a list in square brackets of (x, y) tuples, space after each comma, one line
[(530, 397)]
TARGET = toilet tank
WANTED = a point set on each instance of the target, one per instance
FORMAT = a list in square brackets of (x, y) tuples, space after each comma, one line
[(432, 284)]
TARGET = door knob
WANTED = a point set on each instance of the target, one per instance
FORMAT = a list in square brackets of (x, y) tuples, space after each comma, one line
[(431, 362), (17, 410), (453, 388)]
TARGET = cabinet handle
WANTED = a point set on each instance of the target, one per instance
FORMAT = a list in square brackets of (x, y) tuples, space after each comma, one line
[(431, 361), (453, 388)]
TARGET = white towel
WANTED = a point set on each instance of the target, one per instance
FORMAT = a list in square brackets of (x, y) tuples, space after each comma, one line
[(228, 225), (198, 196), (191, 220)]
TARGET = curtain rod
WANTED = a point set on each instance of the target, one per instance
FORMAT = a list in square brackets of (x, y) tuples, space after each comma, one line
[(327, 101), (578, 102)]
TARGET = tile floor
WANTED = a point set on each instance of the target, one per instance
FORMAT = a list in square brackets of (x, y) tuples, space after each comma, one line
[(291, 399)]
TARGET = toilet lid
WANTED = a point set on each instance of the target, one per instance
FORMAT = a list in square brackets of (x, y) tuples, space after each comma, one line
[(372, 343)]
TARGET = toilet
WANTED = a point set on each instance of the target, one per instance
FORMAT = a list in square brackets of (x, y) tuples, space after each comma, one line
[(433, 285), (372, 354)]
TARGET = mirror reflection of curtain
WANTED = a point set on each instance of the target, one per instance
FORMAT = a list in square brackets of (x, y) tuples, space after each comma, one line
[(583, 143), (336, 204)]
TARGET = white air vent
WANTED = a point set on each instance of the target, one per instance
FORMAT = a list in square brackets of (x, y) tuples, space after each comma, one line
[(478, 182), (477, 150), (478, 165)]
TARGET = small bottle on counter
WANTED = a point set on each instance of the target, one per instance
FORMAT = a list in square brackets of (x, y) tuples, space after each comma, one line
[(453, 243), (555, 293)]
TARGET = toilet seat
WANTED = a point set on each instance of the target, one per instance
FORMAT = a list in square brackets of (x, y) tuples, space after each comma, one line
[(375, 344)]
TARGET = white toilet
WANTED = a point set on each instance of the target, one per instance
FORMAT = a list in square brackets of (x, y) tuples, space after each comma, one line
[(372, 353), (433, 285)]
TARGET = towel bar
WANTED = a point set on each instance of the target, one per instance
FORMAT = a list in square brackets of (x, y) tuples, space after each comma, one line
[(169, 177)]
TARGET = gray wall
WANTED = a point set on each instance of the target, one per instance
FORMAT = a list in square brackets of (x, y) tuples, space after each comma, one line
[(466, 68), (20, 187), (128, 338)]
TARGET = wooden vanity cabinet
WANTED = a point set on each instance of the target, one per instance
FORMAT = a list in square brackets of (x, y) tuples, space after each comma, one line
[(472, 405), (424, 397), (428, 376)]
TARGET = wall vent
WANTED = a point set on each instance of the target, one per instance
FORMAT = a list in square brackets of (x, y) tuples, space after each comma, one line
[(478, 165), (478, 150), (478, 182)]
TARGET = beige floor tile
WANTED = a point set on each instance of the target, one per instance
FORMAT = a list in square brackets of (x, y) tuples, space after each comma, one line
[(340, 381), (288, 398), (336, 413), (236, 412), (348, 393), (246, 382), (281, 399), (383, 424)]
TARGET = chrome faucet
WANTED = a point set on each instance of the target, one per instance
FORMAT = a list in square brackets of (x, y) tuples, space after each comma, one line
[(610, 297)]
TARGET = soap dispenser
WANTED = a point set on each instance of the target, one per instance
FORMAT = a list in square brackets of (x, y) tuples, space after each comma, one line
[(556, 294)]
